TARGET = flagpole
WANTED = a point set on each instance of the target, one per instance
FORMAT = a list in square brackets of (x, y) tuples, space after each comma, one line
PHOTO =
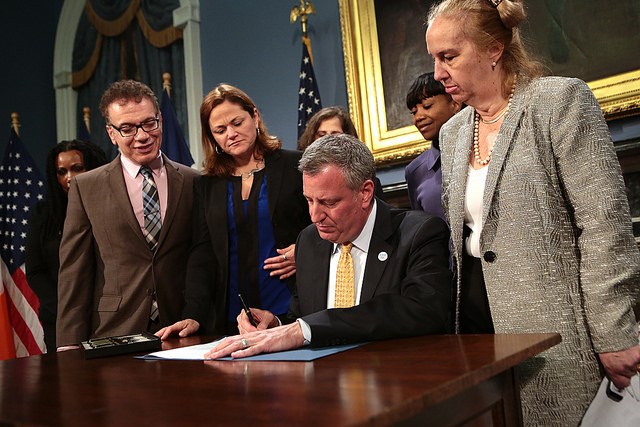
[(86, 117), (302, 10), (15, 122), (166, 83), (308, 94), (174, 144)]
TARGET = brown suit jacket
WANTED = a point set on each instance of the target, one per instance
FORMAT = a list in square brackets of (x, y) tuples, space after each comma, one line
[(107, 272)]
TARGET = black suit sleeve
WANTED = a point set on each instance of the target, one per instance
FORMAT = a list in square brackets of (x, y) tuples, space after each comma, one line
[(200, 286), (294, 304), (415, 297)]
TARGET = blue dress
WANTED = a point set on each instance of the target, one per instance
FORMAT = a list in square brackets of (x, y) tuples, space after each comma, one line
[(246, 220)]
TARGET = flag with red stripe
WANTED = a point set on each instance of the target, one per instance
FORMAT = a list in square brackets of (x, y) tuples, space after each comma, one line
[(21, 187)]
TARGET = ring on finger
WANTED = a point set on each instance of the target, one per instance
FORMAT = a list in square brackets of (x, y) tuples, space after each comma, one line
[(245, 344), (284, 257)]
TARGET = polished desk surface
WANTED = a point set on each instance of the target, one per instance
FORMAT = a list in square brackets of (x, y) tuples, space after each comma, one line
[(379, 383)]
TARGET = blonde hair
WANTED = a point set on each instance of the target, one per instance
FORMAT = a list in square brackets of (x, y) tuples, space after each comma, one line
[(486, 24)]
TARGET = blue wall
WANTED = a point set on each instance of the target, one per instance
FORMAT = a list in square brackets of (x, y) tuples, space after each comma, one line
[(26, 77), (249, 44), (256, 49)]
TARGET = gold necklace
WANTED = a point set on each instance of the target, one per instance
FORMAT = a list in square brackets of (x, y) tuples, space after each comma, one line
[(476, 126)]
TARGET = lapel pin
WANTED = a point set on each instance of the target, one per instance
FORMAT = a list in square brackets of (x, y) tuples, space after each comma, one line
[(382, 256)]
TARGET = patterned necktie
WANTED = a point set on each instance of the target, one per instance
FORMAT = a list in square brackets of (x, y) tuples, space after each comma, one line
[(151, 207), (345, 289), (152, 222)]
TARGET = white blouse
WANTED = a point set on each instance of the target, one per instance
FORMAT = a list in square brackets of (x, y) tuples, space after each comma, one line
[(473, 209)]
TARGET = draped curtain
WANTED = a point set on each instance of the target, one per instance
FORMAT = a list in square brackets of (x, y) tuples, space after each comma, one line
[(133, 39)]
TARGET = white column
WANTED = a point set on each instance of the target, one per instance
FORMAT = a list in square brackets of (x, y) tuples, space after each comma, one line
[(66, 97), (187, 17)]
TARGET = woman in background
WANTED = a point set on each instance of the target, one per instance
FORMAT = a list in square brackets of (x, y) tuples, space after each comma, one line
[(248, 211), (327, 121), (539, 218), (430, 107), (330, 121), (64, 161)]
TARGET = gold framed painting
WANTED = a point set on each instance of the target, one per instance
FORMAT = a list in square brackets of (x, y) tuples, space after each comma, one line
[(384, 51)]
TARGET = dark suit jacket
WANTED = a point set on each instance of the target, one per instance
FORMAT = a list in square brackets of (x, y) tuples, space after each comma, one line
[(42, 265), (107, 272), (407, 293), (208, 271)]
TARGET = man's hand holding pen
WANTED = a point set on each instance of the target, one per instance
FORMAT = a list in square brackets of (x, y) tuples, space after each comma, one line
[(264, 320)]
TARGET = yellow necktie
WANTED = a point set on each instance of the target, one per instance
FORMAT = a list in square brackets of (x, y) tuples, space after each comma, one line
[(345, 289)]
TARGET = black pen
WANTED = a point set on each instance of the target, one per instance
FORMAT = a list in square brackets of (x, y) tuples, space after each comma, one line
[(248, 312)]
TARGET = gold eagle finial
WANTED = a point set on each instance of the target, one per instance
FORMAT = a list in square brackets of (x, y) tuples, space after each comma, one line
[(305, 8)]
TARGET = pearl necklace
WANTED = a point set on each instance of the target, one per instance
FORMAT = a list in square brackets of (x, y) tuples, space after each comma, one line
[(476, 126)]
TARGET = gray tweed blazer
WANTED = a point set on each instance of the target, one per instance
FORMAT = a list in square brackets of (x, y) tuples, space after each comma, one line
[(559, 254)]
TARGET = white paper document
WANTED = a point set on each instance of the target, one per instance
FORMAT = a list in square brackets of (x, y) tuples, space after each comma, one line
[(192, 352), (197, 352)]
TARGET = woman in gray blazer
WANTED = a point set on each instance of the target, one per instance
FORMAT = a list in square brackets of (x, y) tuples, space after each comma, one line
[(535, 200)]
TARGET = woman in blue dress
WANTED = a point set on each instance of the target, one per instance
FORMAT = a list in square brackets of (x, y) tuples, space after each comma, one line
[(248, 211)]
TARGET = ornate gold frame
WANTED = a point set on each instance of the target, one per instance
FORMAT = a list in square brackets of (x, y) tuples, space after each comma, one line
[(619, 95)]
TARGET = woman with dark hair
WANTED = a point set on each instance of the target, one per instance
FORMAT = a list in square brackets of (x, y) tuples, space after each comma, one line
[(248, 211), (330, 121), (64, 161), (430, 107)]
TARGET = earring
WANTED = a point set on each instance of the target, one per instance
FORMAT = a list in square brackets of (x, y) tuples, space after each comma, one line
[(219, 150), (258, 131), (493, 65)]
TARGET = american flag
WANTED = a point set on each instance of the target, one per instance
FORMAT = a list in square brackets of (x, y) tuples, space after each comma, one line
[(21, 187), (308, 95)]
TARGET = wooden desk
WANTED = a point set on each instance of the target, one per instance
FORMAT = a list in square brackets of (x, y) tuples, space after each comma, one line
[(432, 380)]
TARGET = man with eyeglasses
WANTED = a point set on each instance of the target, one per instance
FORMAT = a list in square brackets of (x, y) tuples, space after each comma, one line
[(127, 232)]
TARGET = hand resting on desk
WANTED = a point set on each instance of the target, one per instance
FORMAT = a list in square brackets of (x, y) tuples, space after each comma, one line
[(182, 328), (186, 327), (287, 337)]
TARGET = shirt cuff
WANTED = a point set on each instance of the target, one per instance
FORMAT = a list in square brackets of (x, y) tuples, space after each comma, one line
[(68, 347), (306, 331)]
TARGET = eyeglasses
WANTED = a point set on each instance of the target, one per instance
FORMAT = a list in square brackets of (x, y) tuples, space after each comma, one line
[(131, 130)]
